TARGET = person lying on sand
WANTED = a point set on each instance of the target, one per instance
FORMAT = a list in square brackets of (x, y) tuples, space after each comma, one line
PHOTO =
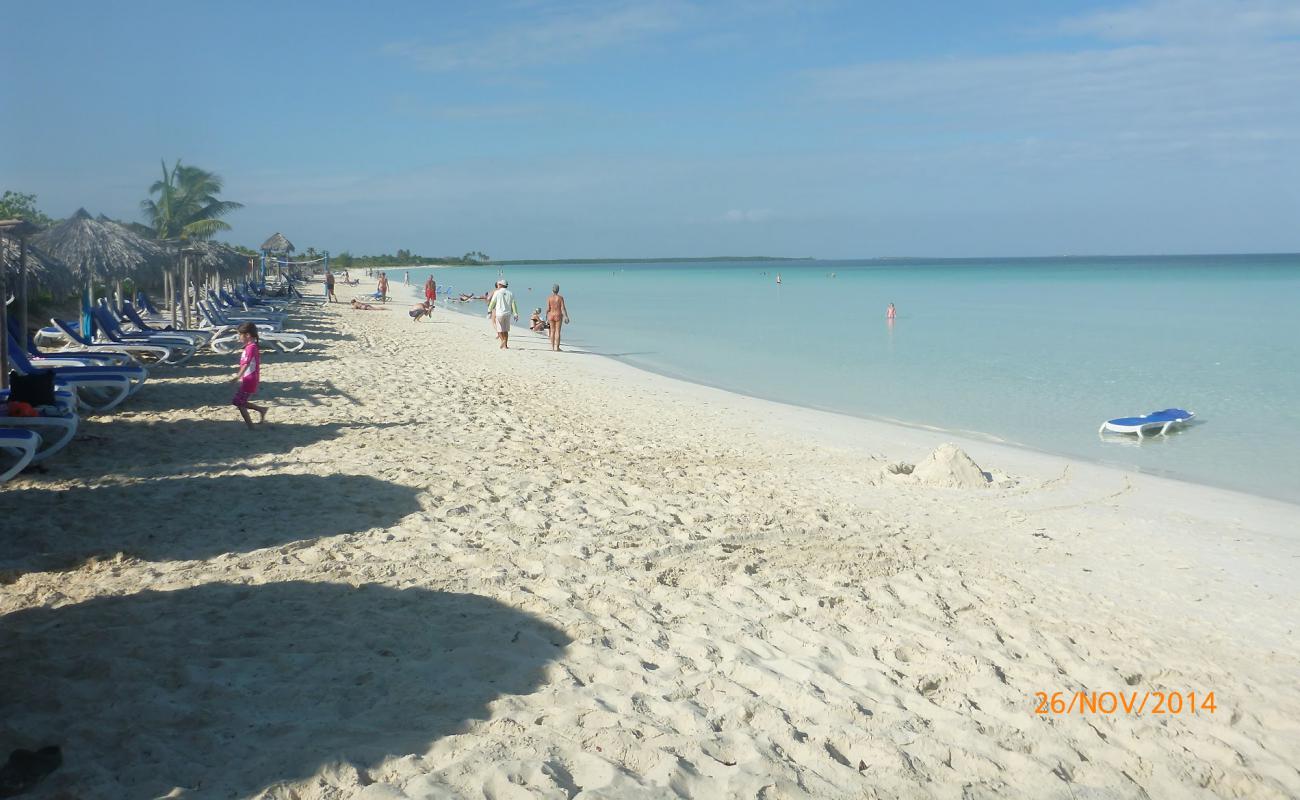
[(357, 305)]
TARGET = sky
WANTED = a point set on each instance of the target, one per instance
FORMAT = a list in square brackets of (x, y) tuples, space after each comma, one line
[(535, 129)]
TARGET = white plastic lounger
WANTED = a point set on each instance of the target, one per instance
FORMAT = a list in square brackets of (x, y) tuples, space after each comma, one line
[(1164, 420), (56, 430), (24, 442), (228, 341)]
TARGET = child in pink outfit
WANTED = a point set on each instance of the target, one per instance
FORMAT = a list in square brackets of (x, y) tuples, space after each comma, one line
[(250, 370)]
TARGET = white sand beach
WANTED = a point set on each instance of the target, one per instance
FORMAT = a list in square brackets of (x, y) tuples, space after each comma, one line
[(445, 570)]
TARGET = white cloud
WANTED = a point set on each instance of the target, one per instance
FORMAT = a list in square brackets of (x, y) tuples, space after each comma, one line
[(557, 36), (1189, 91), (1182, 20)]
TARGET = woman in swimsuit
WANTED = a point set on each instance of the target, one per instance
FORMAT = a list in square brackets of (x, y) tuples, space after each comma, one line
[(557, 313)]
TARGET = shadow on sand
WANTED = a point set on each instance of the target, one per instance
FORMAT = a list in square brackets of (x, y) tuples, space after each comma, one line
[(141, 447), (169, 519), (224, 690)]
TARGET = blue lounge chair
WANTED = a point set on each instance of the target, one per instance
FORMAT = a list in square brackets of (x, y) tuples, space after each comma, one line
[(55, 430), (131, 316), (145, 302), (1163, 420), (23, 442), (82, 357), (140, 351), (97, 388), (181, 348)]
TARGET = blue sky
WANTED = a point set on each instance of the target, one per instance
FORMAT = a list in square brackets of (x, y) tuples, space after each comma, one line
[(572, 129)]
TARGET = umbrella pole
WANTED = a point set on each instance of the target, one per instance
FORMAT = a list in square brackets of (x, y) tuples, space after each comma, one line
[(171, 294), (87, 301), (185, 291), (22, 284), (4, 325)]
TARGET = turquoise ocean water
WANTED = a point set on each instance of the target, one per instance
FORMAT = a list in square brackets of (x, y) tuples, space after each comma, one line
[(1035, 352)]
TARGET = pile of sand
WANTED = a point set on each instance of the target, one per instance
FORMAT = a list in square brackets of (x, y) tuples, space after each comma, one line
[(947, 467)]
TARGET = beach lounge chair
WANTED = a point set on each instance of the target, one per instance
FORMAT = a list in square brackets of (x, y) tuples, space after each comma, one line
[(181, 348), (1163, 420), (83, 357), (218, 319), (56, 430), (131, 316), (97, 388), (144, 301), (238, 311), (140, 351), (225, 337), (236, 300), (23, 442)]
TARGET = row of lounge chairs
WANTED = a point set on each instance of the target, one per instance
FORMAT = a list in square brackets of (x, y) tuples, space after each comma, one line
[(96, 372)]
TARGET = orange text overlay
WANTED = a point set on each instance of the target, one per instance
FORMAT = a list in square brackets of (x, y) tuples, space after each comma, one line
[(1132, 702)]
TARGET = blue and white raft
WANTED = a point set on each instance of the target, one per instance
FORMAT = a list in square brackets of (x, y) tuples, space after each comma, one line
[(1164, 420)]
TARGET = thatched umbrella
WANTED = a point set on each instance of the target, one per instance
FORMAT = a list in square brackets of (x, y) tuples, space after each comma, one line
[(217, 257), (277, 244), (42, 269), (101, 250), (17, 261)]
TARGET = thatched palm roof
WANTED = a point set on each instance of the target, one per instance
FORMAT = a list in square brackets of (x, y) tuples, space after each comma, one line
[(43, 270), (214, 256), (100, 250), (278, 244)]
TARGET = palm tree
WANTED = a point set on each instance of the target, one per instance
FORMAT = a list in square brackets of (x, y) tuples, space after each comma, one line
[(187, 205)]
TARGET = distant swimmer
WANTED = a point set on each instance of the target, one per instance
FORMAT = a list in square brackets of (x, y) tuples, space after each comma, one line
[(890, 313), (778, 279)]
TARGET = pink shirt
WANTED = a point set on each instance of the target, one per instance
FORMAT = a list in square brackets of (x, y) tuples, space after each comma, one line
[(251, 355)]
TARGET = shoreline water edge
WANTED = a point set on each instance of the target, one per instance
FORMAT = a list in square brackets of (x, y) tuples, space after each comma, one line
[(444, 570), (1223, 476)]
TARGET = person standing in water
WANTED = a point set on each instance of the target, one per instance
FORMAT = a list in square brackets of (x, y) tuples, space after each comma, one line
[(557, 313), (430, 291), (890, 313)]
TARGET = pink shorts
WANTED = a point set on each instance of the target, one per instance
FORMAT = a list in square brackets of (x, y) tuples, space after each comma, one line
[(241, 398)]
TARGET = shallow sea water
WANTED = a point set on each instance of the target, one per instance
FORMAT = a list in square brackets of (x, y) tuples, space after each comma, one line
[(1035, 352)]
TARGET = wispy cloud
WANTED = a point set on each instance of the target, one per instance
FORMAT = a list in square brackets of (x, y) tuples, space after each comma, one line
[(549, 36), (1184, 20), (1157, 90)]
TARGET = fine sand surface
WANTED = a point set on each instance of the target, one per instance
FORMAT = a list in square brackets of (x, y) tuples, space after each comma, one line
[(445, 570)]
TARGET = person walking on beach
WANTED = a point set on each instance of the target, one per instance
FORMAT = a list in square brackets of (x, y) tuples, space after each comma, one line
[(250, 370), (329, 287), (488, 295), (557, 313), (500, 309), (407, 280), (383, 287)]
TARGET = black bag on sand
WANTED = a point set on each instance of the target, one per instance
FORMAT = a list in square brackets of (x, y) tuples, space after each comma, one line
[(36, 390)]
